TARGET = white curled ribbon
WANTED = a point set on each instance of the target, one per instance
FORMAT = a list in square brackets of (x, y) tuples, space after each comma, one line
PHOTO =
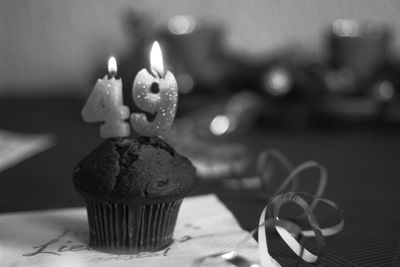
[(265, 174), (288, 231)]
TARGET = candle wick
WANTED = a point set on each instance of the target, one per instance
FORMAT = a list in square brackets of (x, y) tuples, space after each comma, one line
[(112, 74), (157, 73)]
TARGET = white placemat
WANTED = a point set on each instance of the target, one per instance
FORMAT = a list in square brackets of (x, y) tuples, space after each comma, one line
[(60, 237)]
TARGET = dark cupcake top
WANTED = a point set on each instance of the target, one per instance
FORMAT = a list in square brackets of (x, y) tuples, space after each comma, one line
[(145, 170)]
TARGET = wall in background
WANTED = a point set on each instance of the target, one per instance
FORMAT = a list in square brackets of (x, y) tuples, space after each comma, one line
[(45, 43)]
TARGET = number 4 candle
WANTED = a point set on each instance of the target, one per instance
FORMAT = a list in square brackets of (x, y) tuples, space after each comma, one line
[(105, 104), (155, 94)]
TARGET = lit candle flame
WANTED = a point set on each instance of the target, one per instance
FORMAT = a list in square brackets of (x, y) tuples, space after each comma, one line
[(156, 60), (112, 66)]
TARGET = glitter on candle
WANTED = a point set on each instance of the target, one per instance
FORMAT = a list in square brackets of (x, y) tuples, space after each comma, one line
[(162, 105)]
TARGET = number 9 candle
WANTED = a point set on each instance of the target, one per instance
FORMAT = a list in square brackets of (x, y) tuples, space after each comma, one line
[(105, 103), (155, 94)]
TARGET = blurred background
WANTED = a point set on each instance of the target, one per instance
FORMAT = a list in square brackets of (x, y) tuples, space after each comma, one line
[(46, 45)]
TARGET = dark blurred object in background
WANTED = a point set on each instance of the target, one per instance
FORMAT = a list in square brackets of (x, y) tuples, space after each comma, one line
[(358, 49), (361, 77), (197, 55), (138, 27)]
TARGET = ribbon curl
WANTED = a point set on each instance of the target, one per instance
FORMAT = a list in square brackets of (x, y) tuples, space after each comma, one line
[(288, 230)]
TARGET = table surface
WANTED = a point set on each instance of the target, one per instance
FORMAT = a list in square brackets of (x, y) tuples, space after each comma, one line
[(363, 167)]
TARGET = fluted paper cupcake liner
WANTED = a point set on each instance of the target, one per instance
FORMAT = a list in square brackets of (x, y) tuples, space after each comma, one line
[(131, 228)]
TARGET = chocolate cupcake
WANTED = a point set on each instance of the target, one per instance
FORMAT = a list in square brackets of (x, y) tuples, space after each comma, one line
[(133, 190)]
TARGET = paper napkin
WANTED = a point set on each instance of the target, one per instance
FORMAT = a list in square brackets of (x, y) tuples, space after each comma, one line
[(60, 237)]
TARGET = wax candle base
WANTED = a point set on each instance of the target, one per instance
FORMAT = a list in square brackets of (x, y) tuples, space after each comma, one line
[(115, 129), (163, 103)]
